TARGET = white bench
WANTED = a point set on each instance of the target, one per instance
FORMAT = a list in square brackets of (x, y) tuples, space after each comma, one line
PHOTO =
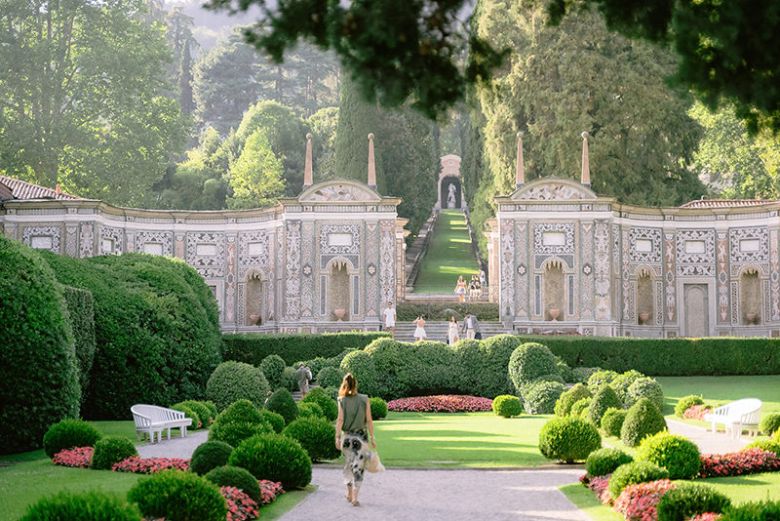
[(736, 415), (151, 419)]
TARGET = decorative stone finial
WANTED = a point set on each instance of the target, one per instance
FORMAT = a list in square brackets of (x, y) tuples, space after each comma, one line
[(308, 170), (585, 176), (519, 165), (371, 162)]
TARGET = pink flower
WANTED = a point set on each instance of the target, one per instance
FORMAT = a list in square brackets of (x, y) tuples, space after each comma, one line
[(138, 465), (441, 403), (697, 412), (639, 502), (707, 516), (600, 486), (748, 461), (241, 507), (269, 490), (78, 457)]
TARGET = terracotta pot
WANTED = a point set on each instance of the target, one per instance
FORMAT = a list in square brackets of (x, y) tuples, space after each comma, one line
[(340, 313), (554, 313), (644, 317)]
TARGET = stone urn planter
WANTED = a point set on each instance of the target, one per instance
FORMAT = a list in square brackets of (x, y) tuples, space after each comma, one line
[(254, 319), (340, 313), (554, 313), (644, 317), (751, 317)]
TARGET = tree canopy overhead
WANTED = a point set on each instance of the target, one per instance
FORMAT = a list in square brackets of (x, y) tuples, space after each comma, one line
[(726, 48)]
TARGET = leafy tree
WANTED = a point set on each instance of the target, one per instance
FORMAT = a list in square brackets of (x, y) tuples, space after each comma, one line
[(184, 45), (83, 97), (323, 124), (256, 177)]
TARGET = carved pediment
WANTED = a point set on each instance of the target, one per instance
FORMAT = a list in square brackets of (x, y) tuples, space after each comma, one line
[(553, 190), (339, 191)]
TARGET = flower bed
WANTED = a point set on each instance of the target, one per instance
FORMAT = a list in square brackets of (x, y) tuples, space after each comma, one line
[(80, 457), (640, 502), (707, 516), (441, 403), (150, 465), (600, 486), (697, 412), (240, 506), (269, 490), (750, 461)]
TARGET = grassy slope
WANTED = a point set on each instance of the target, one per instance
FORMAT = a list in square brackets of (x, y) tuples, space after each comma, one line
[(459, 440), (449, 255)]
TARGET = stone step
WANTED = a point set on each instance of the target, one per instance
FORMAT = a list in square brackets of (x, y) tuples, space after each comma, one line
[(404, 331)]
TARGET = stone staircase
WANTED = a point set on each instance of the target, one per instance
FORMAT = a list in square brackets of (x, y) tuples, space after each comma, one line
[(404, 331)]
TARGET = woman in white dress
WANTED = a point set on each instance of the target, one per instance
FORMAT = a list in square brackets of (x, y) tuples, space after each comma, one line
[(460, 289), (453, 335), (419, 331), (390, 318)]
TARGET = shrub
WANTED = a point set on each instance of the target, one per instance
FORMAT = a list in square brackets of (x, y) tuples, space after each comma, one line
[(229, 476), (378, 408), (612, 421), (81, 312), (756, 511), (688, 499), (276, 458), (686, 402), (564, 371), (330, 377), (289, 379), (633, 473), (645, 388), (766, 445), (234, 433), (83, 506), (443, 403), (240, 411), (604, 398), (281, 402), (233, 381), (643, 419), (770, 423), (68, 434), (528, 362), (569, 398), (204, 412), (210, 455), (328, 405), (110, 450), (252, 348), (37, 355), (507, 406), (273, 367), (309, 410), (581, 374), (189, 413), (568, 439), (580, 407), (601, 377), (275, 420), (151, 314), (640, 502), (178, 496), (316, 436), (540, 397), (623, 381), (676, 454), (746, 461), (604, 461)]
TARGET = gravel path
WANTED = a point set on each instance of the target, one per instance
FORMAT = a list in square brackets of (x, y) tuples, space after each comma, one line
[(176, 447), (443, 495), (708, 442)]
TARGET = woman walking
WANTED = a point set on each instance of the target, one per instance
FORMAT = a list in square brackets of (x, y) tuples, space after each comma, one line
[(419, 331), (453, 333), (354, 432), (460, 289)]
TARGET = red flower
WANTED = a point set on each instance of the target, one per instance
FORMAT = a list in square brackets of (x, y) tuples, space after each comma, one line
[(639, 502), (78, 457), (138, 465), (707, 516), (269, 490), (241, 507), (748, 461), (441, 403)]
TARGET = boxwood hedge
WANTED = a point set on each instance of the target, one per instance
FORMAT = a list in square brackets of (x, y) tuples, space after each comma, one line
[(81, 312)]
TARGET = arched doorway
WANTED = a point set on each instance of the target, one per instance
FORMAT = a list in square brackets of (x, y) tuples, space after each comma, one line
[(750, 296), (554, 294), (339, 296), (450, 192)]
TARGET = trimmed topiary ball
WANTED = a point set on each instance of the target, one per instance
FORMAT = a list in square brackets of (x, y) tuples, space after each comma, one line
[(604, 461), (178, 496), (190, 413), (507, 406), (687, 500), (612, 421), (623, 381), (600, 378), (770, 423), (82, 506), (767, 445), (316, 436), (605, 398), (210, 455), (203, 411), (643, 420), (579, 409), (276, 458), (330, 377), (282, 402), (530, 361), (289, 379), (68, 434), (569, 398), (645, 388), (110, 450), (229, 476), (540, 397), (233, 381), (685, 403), (633, 473), (240, 411), (676, 454), (320, 397), (568, 439), (273, 368), (276, 421), (378, 408), (236, 432), (581, 374), (361, 365), (309, 410)]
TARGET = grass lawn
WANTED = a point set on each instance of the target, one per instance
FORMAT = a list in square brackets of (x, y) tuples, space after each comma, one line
[(586, 501), (723, 389), (464, 440), (449, 255)]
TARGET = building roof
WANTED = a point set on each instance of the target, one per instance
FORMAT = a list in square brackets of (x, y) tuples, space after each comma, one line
[(24, 190), (724, 203)]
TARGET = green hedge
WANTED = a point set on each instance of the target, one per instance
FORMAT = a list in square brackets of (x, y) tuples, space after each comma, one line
[(156, 329), (40, 383), (443, 311), (81, 311), (252, 348)]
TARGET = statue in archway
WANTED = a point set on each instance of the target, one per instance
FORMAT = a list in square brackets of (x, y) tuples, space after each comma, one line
[(451, 196)]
